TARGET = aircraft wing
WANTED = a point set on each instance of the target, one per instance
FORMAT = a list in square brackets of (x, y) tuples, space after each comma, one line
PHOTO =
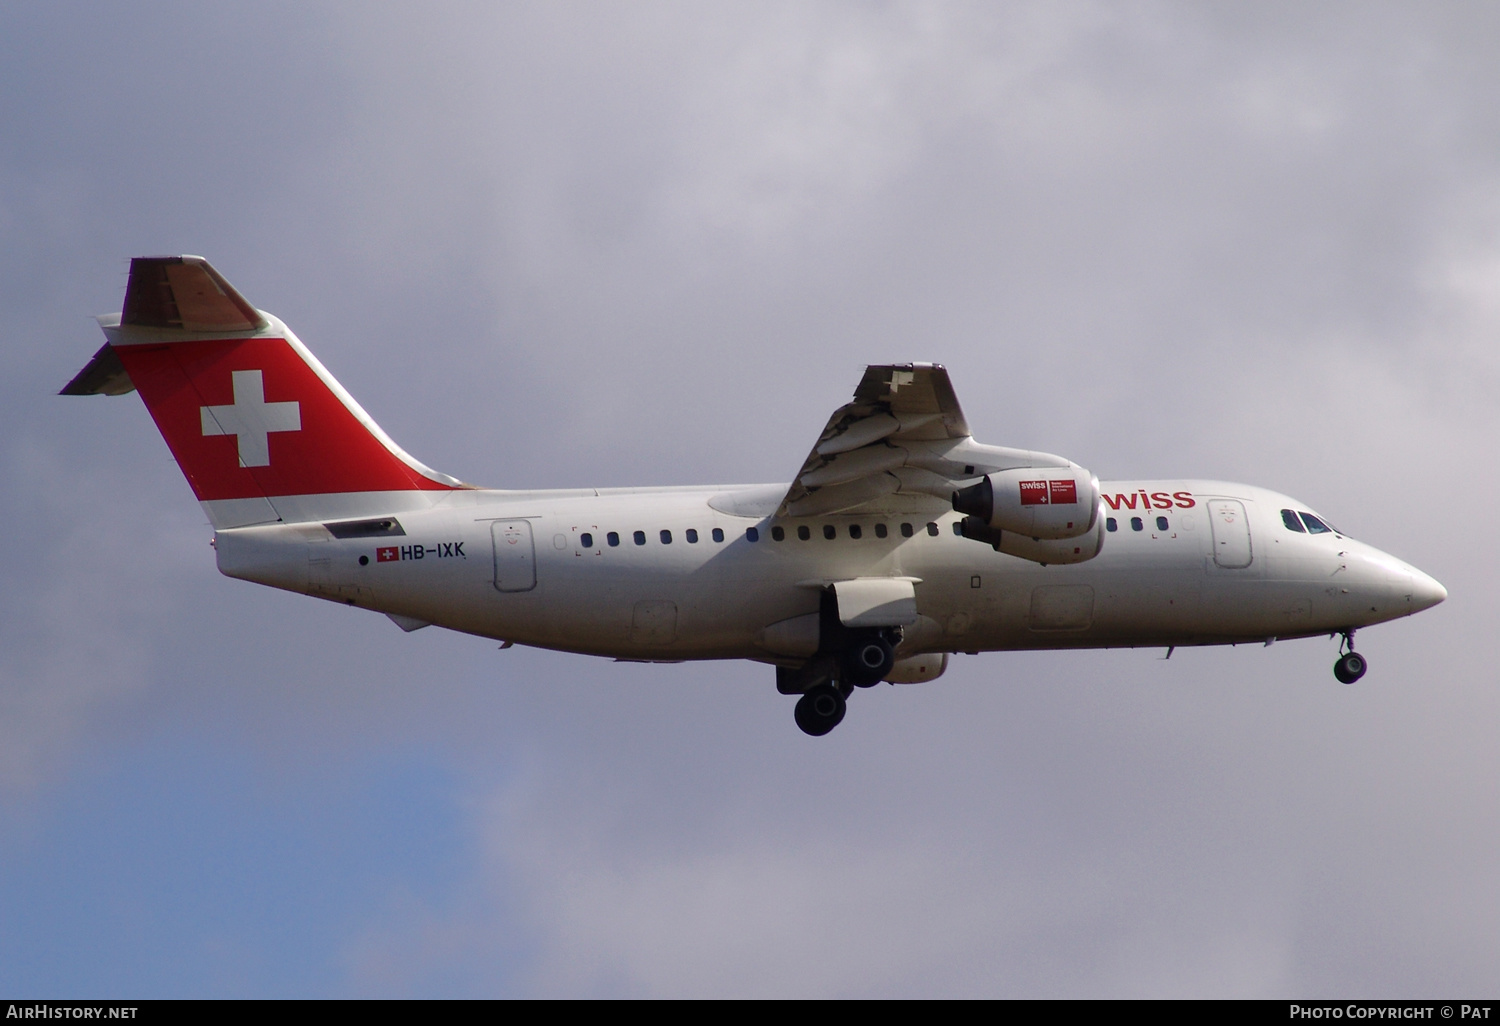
[(861, 460), (902, 445)]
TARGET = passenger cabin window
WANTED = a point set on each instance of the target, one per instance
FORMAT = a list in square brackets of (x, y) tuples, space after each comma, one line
[(777, 534), (932, 530), (880, 531), (639, 537), (830, 532), (752, 534), (718, 534), (666, 537), (1135, 524), (906, 531), (1314, 525), (1110, 524), (692, 535), (613, 538), (958, 528), (804, 532), (587, 540), (855, 531), (1161, 524)]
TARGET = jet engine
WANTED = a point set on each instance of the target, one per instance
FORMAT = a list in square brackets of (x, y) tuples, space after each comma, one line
[(918, 669), (1039, 503), (1044, 551)]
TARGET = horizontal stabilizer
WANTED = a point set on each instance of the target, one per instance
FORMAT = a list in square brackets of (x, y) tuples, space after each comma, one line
[(104, 375), (185, 292)]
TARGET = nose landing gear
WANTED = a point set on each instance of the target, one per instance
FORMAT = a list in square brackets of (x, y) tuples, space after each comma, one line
[(1350, 665)]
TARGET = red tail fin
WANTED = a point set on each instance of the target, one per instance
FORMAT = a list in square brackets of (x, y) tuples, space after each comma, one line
[(261, 430)]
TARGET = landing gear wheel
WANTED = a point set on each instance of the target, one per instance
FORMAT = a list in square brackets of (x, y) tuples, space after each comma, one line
[(820, 710), (1350, 667), (868, 661)]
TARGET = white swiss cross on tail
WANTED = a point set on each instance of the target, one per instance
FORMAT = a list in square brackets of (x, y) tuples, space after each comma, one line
[(251, 419)]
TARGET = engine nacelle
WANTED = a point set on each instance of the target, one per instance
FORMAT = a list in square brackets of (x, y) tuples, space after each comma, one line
[(1045, 551), (1039, 503), (918, 669)]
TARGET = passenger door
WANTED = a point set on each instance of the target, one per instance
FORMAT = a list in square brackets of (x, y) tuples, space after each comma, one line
[(1231, 531), (515, 555)]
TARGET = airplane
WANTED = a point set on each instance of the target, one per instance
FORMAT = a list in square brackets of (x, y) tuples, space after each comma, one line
[(900, 542)]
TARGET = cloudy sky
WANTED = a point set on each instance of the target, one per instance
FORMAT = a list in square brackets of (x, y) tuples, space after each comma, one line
[(592, 244)]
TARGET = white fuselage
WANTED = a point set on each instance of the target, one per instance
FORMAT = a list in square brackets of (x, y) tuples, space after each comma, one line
[(537, 568)]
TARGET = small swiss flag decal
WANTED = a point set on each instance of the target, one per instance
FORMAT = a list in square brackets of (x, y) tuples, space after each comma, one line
[(388, 555)]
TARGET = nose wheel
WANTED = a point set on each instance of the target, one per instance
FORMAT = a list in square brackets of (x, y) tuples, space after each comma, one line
[(1350, 665)]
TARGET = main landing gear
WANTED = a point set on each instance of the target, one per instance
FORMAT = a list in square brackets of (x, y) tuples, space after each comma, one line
[(1350, 665), (868, 660), (820, 710), (862, 659)]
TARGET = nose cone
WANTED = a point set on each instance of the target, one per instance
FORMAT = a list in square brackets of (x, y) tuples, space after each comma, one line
[(1425, 592)]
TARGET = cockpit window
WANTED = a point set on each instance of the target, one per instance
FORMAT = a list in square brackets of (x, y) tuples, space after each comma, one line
[(1289, 518), (1314, 525)]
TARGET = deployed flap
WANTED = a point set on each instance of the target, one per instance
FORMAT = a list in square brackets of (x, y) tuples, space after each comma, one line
[(852, 463), (902, 445), (876, 601)]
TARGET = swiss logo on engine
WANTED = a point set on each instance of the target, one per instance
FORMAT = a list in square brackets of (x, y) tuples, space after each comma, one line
[(1048, 493), (1033, 493)]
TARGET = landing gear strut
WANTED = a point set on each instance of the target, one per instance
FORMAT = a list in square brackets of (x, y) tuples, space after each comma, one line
[(827, 681), (847, 658), (1350, 665)]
